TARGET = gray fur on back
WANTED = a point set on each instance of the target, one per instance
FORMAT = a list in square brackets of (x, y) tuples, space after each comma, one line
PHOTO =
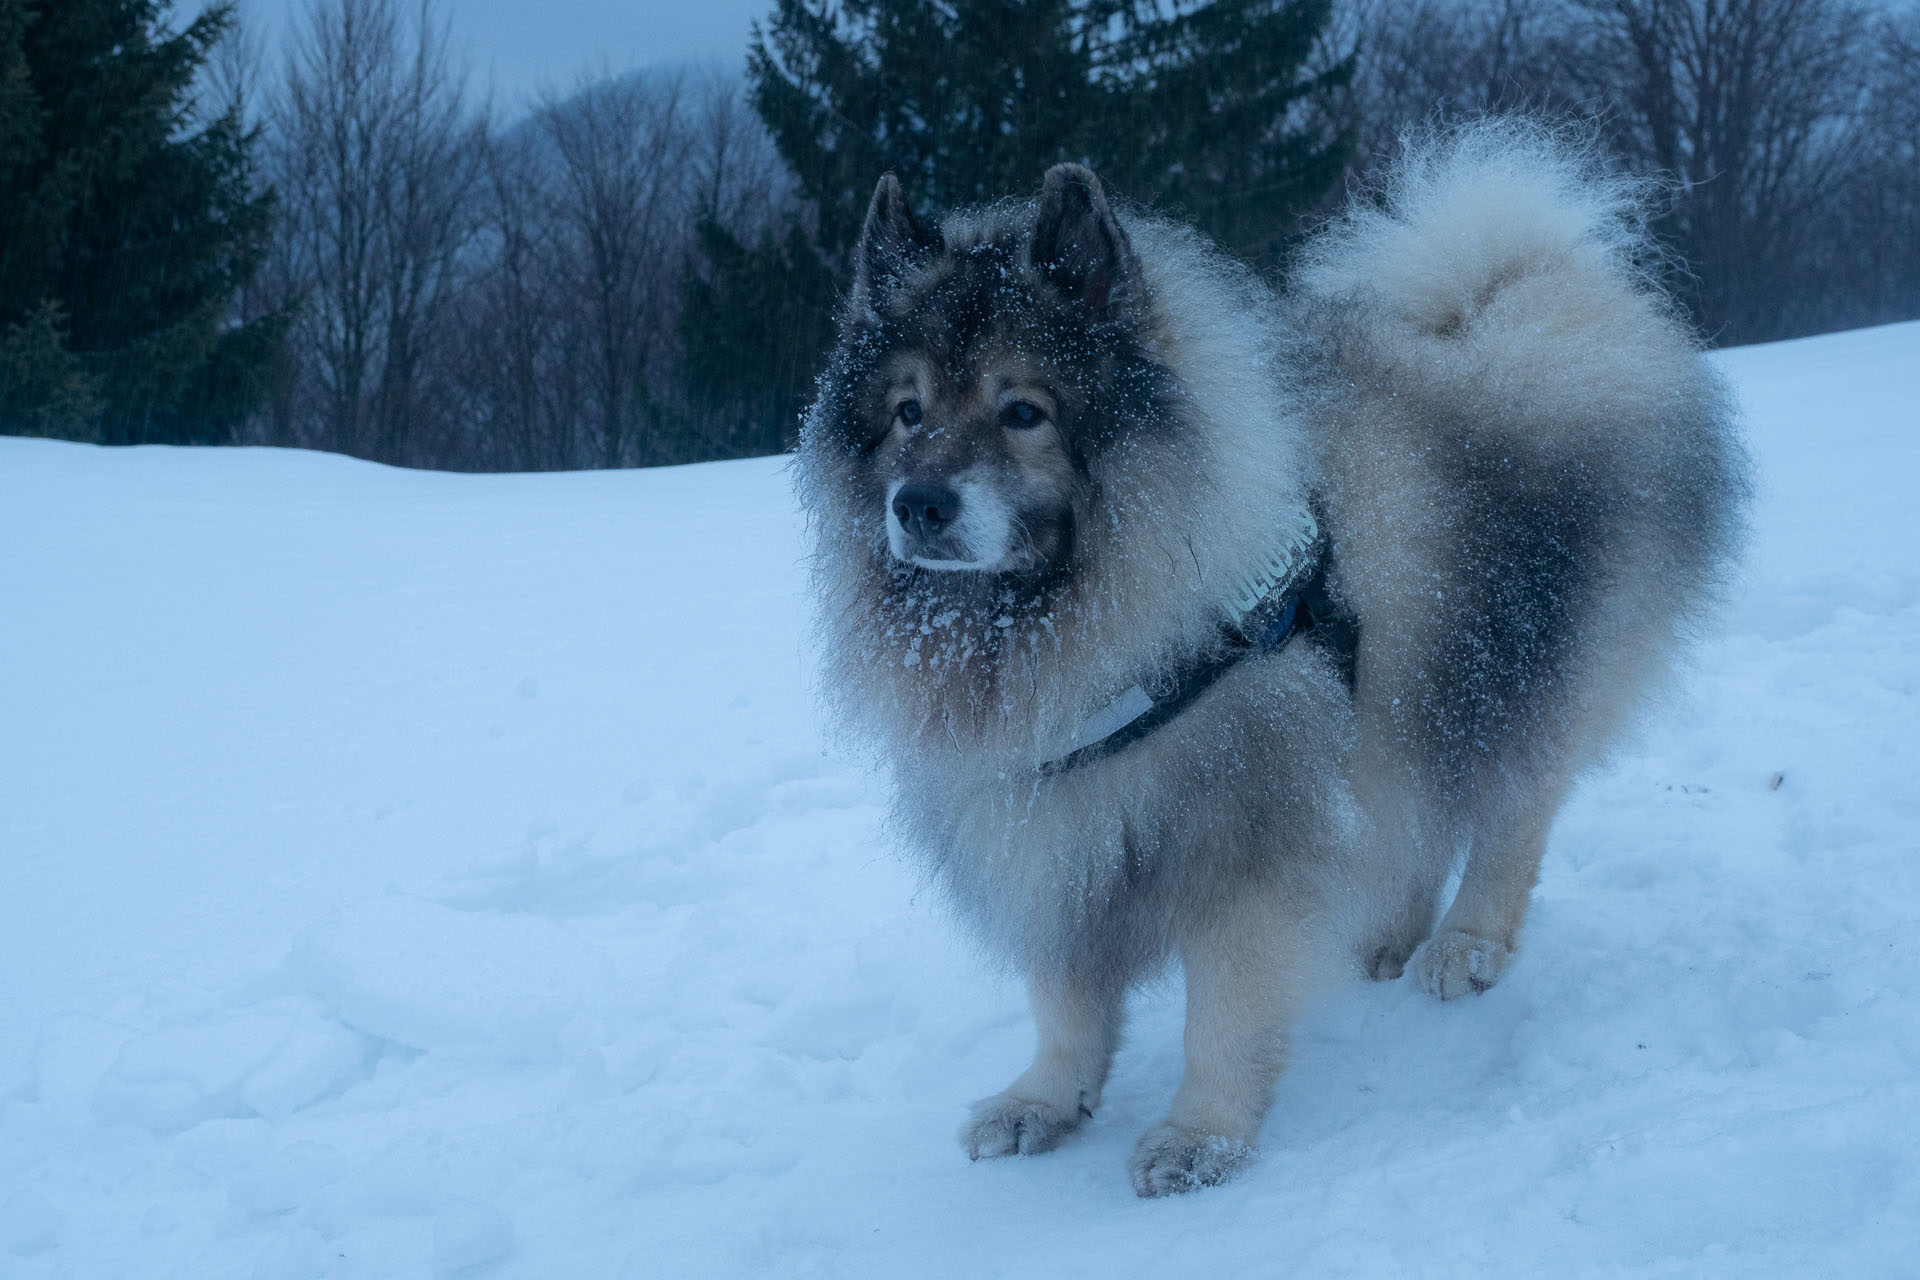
[(1531, 472), (1530, 483)]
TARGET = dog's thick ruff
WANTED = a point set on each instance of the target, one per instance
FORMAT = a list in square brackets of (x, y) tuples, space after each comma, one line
[(1529, 483)]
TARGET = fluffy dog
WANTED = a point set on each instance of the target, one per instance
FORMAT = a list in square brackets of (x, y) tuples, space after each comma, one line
[(1194, 621)]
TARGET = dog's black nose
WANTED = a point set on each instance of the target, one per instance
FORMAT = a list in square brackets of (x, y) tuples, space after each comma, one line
[(925, 509)]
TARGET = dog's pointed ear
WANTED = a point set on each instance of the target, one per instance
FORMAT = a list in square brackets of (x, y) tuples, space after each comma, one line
[(1080, 247), (892, 243)]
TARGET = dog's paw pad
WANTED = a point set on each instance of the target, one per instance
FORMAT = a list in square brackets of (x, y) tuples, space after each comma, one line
[(1005, 1126), (1454, 964), (1171, 1159)]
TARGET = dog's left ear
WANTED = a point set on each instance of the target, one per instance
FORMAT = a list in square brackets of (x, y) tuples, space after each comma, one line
[(1080, 247), (892, 243)]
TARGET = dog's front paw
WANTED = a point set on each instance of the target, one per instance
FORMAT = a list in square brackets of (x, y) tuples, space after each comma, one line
[(1005, 1125), (1455, 964), (1171, 1158)]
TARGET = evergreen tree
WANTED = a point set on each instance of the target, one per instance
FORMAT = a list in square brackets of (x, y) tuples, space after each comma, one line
[(965, 102), (753, 320), (1212, 111), (127, 225), (1224, 118)]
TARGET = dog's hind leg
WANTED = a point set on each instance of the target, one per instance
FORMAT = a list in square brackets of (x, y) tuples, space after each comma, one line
[(1246, 976), (1401, 932), (1476, 941), (1078, 1016), (1401, 878)]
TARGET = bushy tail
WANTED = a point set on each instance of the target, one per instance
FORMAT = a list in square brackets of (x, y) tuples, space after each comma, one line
[(1506, 243)]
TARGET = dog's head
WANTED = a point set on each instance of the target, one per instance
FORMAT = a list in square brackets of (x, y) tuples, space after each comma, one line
[(984, 367)]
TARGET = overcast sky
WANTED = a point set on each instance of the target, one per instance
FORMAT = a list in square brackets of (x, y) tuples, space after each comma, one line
[(527, 45)]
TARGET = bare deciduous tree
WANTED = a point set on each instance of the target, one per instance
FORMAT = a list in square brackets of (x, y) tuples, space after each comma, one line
[(379, 155), (569, 348), (1753, 107), (739, 179), (622, 147), (1432, 59), (1871, 263), (512, 323), (1757, 113)]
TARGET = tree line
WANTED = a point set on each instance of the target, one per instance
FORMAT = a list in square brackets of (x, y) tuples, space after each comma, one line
[(345, 248)]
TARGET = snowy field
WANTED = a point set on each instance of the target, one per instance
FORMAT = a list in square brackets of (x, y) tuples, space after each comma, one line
[(404, 874)]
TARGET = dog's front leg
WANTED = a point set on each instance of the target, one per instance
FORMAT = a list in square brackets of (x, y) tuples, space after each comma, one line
[(1078, 1015), (1246, 971)]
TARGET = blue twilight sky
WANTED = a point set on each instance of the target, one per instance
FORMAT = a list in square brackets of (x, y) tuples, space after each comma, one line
[(524, 46)]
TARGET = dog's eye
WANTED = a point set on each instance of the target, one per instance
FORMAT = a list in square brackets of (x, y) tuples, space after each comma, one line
[(1023, 413), (909, 412)]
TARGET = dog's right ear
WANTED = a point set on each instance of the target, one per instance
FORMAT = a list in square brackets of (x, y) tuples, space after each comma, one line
[(892, 243)]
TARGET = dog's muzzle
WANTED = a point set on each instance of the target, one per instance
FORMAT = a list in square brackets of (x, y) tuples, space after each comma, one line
[(946, 525)]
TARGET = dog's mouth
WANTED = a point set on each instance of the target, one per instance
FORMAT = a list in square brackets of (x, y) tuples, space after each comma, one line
[(1040, 547), (949, 555), (945, 560)]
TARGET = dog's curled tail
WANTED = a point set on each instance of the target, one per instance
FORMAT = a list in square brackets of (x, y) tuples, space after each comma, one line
[(1505, 242)]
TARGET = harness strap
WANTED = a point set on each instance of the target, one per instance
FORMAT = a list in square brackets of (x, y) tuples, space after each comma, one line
[(1268, 628)]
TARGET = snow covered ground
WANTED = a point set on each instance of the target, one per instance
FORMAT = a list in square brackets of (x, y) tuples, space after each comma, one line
[(404, 874)]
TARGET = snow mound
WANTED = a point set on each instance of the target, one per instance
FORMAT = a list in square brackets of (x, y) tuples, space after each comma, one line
[(254, 1063), (420, 974)]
